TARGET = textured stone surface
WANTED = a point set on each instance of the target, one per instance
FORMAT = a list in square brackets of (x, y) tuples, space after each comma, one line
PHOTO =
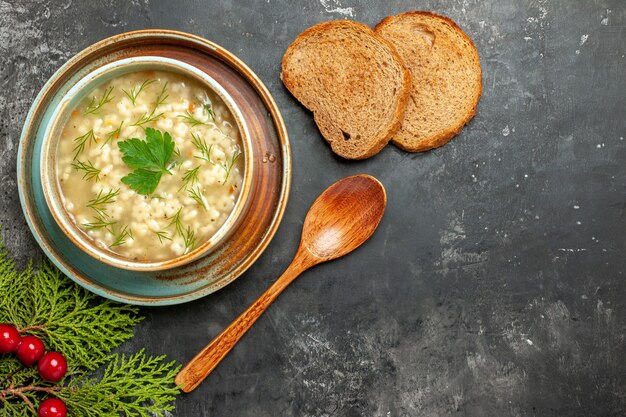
[(495, 284)]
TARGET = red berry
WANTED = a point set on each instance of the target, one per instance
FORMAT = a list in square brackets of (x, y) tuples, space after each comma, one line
[(30, 349), (52, 366), (52, 407), (9, 338)]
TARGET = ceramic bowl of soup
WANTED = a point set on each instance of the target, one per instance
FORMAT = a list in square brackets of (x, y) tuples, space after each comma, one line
[(147, 164)]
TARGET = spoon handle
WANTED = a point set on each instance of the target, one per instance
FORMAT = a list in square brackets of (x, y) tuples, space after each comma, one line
[(204, 362)]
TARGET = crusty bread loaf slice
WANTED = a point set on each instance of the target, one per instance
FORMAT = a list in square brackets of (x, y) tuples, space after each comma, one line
[(354, 83), (446, 74)]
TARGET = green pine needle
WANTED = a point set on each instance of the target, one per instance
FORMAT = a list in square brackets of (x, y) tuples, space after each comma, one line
[(130, 386), (85, 328)]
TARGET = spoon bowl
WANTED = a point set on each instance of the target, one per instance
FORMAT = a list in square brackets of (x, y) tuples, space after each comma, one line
[(343, 217), (339, 221)]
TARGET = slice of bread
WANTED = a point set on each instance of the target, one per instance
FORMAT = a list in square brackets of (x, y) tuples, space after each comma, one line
[(354, 83), (447, 79)]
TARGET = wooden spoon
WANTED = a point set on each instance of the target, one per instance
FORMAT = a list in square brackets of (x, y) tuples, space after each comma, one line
[(339, 221)]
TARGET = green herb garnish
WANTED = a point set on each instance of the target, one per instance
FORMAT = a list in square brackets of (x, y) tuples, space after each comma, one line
[(201, 146), (190, 177), (205, 154), (149, 158), (209, 109), (194, 121), (153, 115), (229, 165), (95, 104), (120, 239), (176, 222), (89, 171), (188, 235), (81, 141), (136, 90), (196, 195), (113, 134), (147, 118), (162, 234), (98, 204), (189, 239), (100, 222), (191, 119), (163, 95)]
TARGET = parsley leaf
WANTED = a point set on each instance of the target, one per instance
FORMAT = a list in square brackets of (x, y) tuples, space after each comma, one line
[(149, 158), (143, 181)]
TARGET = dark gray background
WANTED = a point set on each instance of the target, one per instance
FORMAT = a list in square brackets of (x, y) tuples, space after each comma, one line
[(494, 285)]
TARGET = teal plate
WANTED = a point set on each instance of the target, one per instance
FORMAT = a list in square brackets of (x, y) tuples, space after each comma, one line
[(269, 193)]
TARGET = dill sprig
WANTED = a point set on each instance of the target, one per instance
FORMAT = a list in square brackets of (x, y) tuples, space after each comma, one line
[(147, 118), (136, 90), (89, 171), (85, 328), (201, 146), (162, 234), (81, 141), (100, 201), (100, 222), (205, 154), (191, 119), (194, 121), (113, 134), (209, 109), (163, 95), (153, 115), (120, 239), (228, 166), (197, 196), (176, 221), (189, 239), (190, 177), (188, 234), (96, 104)]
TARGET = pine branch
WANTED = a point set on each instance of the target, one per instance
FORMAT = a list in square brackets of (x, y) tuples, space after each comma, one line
[(64, 315), (131, 385), (85, 329)]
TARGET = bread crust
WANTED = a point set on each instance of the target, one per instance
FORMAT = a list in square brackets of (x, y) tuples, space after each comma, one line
[(384, 137), (444, 136)]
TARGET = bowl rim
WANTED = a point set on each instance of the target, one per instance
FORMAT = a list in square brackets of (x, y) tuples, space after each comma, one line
[(54, 195), (28, 200)]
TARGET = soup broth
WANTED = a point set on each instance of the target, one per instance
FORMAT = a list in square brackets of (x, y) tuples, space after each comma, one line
[(150, 165)]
